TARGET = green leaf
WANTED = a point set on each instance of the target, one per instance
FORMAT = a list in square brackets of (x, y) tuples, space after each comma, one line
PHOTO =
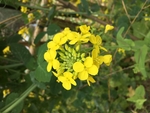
[(140, 57), (39, 37), (53, 29), (123, 43), (147, 39), (41, 50), (41, 73), (21, 53), (10, 98), (14, 38), (139, 31), (138, 97), (139, 103)]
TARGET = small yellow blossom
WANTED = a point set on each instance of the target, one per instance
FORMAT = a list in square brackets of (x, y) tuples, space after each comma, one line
[(98, 60), (108, 28), (120, 50), (97, 42), (30, 17), (67, 80), (146, 18), (6, 92), (85, 69), (24, 32), (6, 50), (24, 9)]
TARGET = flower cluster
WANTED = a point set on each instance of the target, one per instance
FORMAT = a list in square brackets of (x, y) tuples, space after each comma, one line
[(75, 55)]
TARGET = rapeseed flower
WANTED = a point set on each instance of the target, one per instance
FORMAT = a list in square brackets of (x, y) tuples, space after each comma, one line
[(68, 60), (6, 50), (24, 9), (108, 28), (24, 31)]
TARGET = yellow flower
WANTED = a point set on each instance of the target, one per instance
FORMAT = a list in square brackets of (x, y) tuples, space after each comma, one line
[(120, 50), (59, 39), (49, 56), (24, 9), (108, 28), (84, 29), (24, 32), (6, 50), (98, 60), (30, 17), (97, 42), (67, 80), (85, 69)]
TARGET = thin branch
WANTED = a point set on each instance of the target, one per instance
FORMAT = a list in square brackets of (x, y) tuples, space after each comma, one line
[(125, 9), (135, 18)]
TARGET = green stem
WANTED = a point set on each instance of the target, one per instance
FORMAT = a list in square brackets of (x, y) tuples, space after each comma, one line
[(14, 103), (5, 58), (10, 66)]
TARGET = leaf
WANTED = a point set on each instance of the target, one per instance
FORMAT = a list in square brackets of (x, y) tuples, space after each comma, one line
[(53, 29), (126, 44), (10, 98), (138, 97), (39, 37), (14, 38), (139, 103), (41, 50), (139, 31), (41, 73), (147, 39), (22, 54), (140, 57)]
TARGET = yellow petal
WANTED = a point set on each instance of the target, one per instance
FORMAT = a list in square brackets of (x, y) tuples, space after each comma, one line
[(90, 79), (98, 40), (56, 64), (51, 44), (88, 62), (73, 82), (93, 39), (57, 37), (47, 56), (95, 53), (84, 29), (93, 70), (83, 75), (49, 66), (108, 28), (78, 67), (107, 59), (66, 85)]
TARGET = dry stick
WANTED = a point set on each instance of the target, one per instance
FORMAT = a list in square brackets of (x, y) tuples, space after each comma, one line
[(135, 18), (11, 18)]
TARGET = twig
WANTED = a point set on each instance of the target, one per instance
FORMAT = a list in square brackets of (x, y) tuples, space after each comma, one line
[(135, 18), (11, 18), (125, 9)]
